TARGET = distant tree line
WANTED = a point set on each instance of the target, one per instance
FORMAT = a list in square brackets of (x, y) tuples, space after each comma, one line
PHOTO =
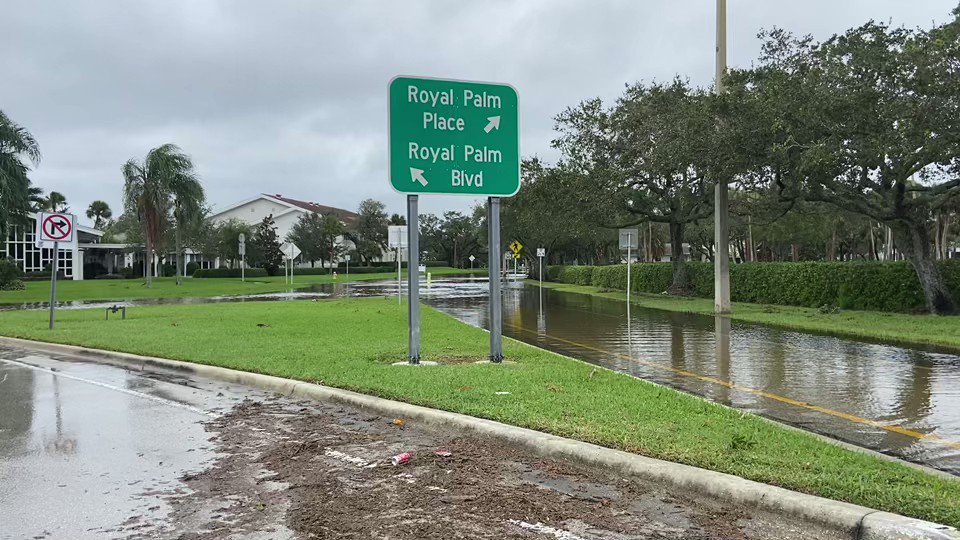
[(836, 150)]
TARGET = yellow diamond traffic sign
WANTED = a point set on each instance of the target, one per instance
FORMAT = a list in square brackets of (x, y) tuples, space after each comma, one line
[(515, 247)]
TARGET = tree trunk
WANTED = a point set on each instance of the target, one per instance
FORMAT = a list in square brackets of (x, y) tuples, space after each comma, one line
[(179, 257), (148, 263), (681, 279), (832, 248), (795, 252), (914, 243)]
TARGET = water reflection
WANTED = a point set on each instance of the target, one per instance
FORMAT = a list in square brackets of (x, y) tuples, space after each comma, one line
[(838, 387)]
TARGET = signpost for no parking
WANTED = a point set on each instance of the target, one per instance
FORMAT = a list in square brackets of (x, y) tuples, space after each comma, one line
[(456, 138), (52, 230)]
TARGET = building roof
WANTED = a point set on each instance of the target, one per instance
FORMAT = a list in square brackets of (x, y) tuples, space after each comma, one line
[(345, 215)]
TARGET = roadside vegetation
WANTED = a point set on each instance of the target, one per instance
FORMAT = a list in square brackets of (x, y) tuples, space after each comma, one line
[(131, 289), (547, 392)]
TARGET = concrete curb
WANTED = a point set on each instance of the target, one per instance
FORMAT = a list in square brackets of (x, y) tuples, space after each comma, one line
[(857, 522)]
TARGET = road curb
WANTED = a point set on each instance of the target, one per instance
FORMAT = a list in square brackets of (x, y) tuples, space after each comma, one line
[(858, 522)]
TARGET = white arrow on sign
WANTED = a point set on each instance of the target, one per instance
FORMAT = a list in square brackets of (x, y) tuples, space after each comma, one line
[(417, 176), (493, 123)]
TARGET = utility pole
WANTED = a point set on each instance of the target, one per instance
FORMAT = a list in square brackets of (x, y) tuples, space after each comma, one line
[(721, 212)]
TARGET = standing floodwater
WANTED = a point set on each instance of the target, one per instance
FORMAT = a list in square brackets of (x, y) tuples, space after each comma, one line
[(896, 400)]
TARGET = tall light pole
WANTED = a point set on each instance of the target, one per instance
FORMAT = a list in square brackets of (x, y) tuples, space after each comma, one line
[(721, 217)]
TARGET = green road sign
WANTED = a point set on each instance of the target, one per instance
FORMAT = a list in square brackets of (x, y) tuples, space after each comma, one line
[(454, 137)]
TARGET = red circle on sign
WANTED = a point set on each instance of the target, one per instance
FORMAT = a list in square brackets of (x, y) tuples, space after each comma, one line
[(57, 230)]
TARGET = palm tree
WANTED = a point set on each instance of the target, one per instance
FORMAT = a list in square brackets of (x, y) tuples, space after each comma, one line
[(16, 144), (99, 212), (56, 202), (37, 201), (188, 199), (148, 190)]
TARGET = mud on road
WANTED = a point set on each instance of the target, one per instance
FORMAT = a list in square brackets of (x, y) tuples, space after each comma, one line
[(303, 470)]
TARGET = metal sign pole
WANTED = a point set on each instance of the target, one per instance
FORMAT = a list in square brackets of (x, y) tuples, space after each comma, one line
[(53, 282), (413, 277), (629, 243), (243, 265), (399, 280), (541, 271), (496, 313)]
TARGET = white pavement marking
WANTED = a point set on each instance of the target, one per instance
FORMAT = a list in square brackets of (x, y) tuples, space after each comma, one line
[(559, 534), (133, 393)]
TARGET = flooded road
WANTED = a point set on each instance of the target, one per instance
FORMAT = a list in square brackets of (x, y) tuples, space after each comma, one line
[(896, 400), (899, 401)]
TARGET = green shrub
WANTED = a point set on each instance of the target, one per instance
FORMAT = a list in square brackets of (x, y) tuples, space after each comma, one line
[(865, 285), (229, 273), (192, 267), (11, 277)]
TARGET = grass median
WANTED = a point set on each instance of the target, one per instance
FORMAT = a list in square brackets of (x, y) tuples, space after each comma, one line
[(350, 344), (900, 328), (132, 289)]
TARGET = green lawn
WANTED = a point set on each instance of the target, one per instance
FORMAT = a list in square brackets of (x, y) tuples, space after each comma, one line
[(129, 289), (349, 343), (901, 328)]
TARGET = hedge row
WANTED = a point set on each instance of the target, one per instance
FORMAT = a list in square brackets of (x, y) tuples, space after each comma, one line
[(879, 286)]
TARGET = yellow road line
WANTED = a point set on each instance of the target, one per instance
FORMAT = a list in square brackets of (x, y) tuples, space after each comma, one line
[(733, 386)]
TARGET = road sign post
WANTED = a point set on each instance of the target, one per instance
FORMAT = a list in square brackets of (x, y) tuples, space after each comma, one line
[(55, 228), (290, 252), (397, 238), (629, 241), (413, 278), (496, 301), (472, 258), (541, 253), (461, 138), (242, 250)]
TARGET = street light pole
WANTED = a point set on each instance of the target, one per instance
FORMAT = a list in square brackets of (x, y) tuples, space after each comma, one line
[(721, 217)]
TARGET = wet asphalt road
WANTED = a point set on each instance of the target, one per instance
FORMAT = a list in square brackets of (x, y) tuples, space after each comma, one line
[(94, 451)]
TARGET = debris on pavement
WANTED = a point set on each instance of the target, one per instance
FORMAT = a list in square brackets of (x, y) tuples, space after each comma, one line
[(399, 422), (400, 459), (442, 452)]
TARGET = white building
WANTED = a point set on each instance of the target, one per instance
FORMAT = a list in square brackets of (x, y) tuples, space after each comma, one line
[(20, 245), (285, 211)]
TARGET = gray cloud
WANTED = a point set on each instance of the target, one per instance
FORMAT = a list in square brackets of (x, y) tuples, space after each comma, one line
[(290, 96)]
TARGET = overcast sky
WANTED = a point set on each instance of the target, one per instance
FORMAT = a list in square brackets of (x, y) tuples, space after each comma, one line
[(291, 96)]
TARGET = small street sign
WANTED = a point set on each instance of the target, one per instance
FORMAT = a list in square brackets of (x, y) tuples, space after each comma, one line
[(516, 247), (472, 258), (516, 256), (290, 250), (541, 252), (454, 137), (628, 239), (242, 245), (397, 236)]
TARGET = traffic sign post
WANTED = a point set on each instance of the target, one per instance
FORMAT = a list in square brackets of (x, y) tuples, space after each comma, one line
[(496, 301), (460, 138), (628, 240), (242, 250), (413, 278), (55, 228), (472, 258), (397, 238), (290, 252), (541, 253)]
